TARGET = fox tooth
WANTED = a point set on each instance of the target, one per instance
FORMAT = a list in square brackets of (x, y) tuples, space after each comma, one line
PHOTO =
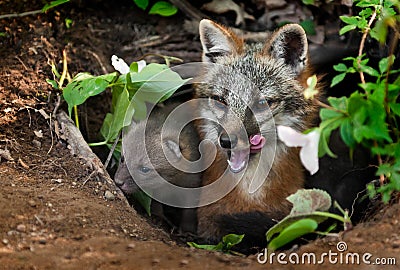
[(240, 167)]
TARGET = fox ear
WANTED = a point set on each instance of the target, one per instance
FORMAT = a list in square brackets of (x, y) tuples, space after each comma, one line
[(289, 44), (217, 41)]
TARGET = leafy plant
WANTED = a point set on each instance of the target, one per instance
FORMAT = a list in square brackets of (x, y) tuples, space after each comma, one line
[(309, 209), (144, 200), (53, 4), (156, 83), (162, 8), (369, 116), (228, 241)]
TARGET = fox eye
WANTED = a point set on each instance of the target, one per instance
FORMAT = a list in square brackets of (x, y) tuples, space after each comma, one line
[(219, 101), (144, 169), (262, 104)]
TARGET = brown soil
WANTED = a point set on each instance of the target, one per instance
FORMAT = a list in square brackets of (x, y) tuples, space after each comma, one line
[(50, 219)]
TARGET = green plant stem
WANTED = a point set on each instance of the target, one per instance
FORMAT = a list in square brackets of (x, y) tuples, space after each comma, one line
[(362, 44), (331, 215), (98, 143), (167, 59), (65, 70), (76, 116), (324, 105)]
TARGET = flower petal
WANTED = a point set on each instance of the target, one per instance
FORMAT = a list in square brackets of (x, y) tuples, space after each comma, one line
[(119, 64), (291, 137), (309, 152), (141, 65)]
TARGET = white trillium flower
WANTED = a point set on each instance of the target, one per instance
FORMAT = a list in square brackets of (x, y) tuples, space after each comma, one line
[(122, 67), (119, 64), (308, 143), (141, 64)]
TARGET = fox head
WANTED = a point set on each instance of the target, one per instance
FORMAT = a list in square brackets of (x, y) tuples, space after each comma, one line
[(146, 161), (253, 88)]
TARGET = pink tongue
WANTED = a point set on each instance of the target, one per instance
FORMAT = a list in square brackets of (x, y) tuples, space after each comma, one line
[(257, 142)]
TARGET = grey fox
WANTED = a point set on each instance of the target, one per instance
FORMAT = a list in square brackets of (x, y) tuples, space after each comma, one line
[(262, 85), (146, 169)]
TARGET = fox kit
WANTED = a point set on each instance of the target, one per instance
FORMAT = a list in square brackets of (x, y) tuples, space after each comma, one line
[(146, 169), (262, 86)]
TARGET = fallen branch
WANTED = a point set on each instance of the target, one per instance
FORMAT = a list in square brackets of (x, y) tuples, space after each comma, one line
[(79, 147), (13, 15)]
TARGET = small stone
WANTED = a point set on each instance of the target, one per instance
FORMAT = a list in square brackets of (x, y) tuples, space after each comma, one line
[(21, 228), (42, 241), (37, 144), (109, 196), (5, 241), (131, 246), (184, 262), (38, 133), (32, 203), (58, 180), (155, 261), (396, 244)]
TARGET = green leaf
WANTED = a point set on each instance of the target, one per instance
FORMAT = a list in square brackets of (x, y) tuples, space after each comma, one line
[(395, 107), (326, 114), (323, 147), (144, 200), (308, 2), (347, 28), (367, 3), (379, 31), (370, 71), (134, 67), (141, 3), (114, 123), (355, 102), (367, 12), (306, 201), (350, 19), (200, 246), (228, 241), (384, 63), (338, 103), (337, 79), (53, 4), (306, 204), (346, 132), (368, 86), (163, 8), (292, 232), (68, 23), (53, 83), (340, 67), (84, 86), (309, 27), (156, 82)]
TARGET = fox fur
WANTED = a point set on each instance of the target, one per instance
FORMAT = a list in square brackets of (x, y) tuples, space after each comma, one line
[(274, 72), (148, 168)]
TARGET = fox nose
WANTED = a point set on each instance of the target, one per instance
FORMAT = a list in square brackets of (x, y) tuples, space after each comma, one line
[(228, 141)]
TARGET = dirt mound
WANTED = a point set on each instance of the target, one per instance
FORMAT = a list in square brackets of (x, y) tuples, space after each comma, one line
[(53, 212)]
